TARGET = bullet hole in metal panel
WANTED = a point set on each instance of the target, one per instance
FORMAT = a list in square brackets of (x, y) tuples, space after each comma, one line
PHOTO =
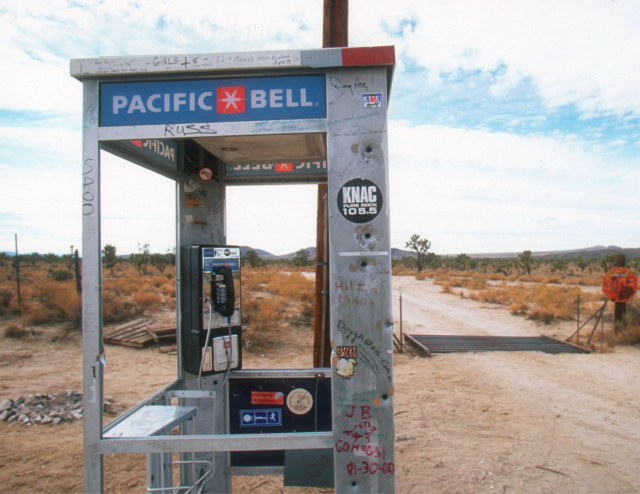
[(367, 235), (369, 150), (363, 264), (353, 484), (385, 396)]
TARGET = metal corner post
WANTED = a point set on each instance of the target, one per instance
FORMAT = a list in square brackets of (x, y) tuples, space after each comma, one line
[(92, 350), (360, 281)]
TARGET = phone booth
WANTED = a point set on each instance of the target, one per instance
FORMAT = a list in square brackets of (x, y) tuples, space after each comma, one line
[(212, 121)]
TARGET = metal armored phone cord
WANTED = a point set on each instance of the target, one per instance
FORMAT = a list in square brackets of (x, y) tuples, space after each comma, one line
[(315, 404), (206, 343), (226, 377)]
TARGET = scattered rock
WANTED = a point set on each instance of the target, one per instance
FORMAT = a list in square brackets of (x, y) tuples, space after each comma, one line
[(52, 408), (6, 405), (405, 437)]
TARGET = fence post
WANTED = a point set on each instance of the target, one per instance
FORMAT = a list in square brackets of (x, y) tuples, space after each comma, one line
[(620, 309)]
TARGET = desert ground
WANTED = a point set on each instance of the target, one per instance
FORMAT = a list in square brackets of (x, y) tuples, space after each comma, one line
[(468, 423)]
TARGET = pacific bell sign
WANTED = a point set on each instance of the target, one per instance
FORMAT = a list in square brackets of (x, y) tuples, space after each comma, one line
[(212, 100)]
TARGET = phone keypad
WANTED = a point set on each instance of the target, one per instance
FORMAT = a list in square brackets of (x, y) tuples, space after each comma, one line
[(221, 294)]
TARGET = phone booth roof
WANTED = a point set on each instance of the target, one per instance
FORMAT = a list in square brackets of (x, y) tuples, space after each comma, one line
[(240, 62), (251, 110)]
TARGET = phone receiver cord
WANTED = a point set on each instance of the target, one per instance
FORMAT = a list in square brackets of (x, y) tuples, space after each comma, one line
[(229, 351), (206, 344)]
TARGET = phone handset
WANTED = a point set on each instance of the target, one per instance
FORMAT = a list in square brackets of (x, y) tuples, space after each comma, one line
[(222, 291)]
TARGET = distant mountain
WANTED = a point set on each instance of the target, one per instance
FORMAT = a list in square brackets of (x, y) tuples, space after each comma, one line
[(593, 253), (596, 252), (262, 253), (291, 255), (399, 253)]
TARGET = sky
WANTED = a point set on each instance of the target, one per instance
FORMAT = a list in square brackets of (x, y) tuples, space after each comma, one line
[(512, 125)]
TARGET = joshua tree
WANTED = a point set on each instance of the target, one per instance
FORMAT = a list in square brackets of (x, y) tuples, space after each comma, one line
[(109, 257), (462, 262), (582, 264), (525, 261), (607, 262), (142, 259), (421, 248), (160, 261), (301, 258), (252, 258)]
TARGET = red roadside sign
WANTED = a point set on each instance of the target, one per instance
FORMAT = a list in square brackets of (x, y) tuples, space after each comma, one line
[(619, 284)]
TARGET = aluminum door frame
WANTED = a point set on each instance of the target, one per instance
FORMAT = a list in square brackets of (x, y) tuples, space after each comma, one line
[(360, 294)]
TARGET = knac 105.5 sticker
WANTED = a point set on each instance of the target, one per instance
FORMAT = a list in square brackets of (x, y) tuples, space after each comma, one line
[(360, 200)]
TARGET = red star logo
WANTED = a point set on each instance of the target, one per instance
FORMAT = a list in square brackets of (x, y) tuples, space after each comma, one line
[(284, 167), (230, 99)]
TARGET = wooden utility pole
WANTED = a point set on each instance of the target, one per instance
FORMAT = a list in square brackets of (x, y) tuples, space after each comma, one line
[(335, 34), (619, 261)]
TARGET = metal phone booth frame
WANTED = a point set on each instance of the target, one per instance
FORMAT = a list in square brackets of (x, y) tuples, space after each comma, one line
[(237, 111)]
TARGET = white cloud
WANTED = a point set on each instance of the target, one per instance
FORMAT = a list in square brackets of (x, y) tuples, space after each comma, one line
[(463, 189), (47, 205), (582, 52), (494, 150), (279, 219), (138, 207), (49, 140), (40, 37)]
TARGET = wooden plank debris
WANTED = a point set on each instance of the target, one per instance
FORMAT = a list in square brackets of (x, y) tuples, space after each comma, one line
[(140, 333)]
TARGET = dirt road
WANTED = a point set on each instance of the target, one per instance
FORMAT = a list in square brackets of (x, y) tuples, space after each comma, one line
[(511, 422), (491, 422)]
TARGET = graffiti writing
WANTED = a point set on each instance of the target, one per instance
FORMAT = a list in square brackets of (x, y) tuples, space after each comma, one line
[(364, 467), (88, 196)]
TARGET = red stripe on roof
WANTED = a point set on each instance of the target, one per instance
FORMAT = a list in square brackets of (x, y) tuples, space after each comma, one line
[(380, 55)]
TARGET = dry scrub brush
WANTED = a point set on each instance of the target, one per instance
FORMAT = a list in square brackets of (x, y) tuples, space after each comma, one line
[(129, 293), (49, 297), (273, 299), (540, 297), (544, 303), (629, 331), (43, 300)]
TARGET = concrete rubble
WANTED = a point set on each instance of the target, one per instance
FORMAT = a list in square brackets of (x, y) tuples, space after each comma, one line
[(54, 409)]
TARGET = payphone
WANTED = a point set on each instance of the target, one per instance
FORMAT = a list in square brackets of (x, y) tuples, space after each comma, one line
[(211, 294)]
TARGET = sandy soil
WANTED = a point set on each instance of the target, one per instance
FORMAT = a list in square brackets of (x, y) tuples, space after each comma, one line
[(487, 422)]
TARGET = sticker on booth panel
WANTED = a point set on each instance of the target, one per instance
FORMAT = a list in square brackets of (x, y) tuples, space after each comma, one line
[(372, 100), (299, 401), (205, 174), (346, 368), (347, 352), (360, 200), (267, 398), (260, 418)]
